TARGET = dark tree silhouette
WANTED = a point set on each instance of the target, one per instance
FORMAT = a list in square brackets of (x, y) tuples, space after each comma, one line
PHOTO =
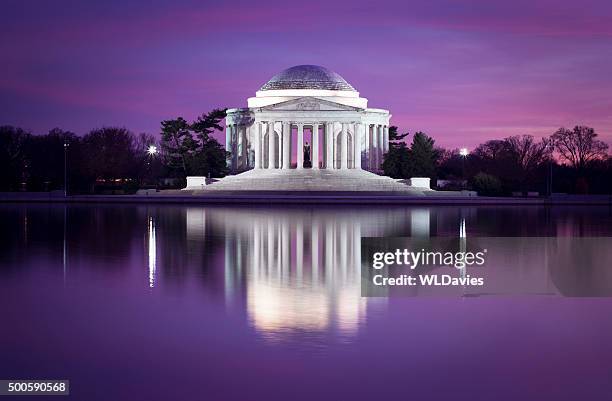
[(526, 155), (110, 153), (13, 157), (395, 137), (208, 123), (397, 161), (423, 156), (190, 149), (579, 146), (210, 158), (417, 161), (177, 143)]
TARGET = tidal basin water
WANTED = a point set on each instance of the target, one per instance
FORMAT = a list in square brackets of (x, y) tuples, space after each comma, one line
[(171, 302)]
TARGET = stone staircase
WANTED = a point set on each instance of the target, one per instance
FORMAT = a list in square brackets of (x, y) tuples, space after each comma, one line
[(310, 180)]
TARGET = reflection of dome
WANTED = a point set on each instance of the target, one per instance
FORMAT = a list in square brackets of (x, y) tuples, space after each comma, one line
[(307, 77)]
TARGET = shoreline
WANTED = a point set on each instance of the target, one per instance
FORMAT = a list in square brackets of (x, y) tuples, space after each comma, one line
[(276, 197)]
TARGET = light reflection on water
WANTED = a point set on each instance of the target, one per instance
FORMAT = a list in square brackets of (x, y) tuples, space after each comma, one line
[(299, 271)]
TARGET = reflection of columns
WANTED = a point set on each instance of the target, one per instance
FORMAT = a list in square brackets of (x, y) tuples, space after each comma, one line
[(271, 146), (315, 146), (230, 262), (344, 154), (279, 247), (329, 146), (299, 250), (286, 145), (286, 249), (343, 248), (380, 147), (300, 146), (256, 131), (419, 223), (357, 248), (357, 145), (256, 261), (329, 253), (314, 246), (270, 243), (386, 139)]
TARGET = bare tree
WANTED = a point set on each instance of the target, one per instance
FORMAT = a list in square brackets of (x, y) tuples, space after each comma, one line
[(579, 146), (527, 153), (491, 150)]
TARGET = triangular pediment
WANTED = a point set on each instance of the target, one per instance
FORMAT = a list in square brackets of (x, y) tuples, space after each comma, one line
[(309, 103)]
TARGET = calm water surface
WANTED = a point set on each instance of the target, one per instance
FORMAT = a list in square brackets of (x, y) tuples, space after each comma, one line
[(170, 302)]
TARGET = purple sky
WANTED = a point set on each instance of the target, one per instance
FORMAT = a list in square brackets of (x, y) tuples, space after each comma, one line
[(463, 72)]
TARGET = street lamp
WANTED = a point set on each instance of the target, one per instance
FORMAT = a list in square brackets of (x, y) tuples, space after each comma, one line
[(66, 144), (152, 151), (464, 153)]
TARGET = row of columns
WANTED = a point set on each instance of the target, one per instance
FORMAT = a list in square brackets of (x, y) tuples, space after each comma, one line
[(374, 148), (377, 144), (369, 143), (237, 143)]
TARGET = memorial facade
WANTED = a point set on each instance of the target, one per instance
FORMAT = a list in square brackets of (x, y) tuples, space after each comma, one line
[(307, 117), (306, 129)]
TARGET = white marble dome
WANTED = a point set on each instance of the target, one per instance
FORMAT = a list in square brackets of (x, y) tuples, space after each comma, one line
[(307, 81), (307, 77)]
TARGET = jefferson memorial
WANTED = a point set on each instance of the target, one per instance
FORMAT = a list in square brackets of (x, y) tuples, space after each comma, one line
[(308, 129)]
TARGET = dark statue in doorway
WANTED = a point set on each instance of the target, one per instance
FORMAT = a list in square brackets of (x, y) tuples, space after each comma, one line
[(307, 161)]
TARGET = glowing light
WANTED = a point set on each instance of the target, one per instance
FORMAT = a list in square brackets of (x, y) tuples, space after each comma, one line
[(463, 152), (152, 150), (152, 245)]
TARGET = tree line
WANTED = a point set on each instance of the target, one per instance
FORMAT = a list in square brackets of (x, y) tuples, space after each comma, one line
[(111, 158), (569, 161), (116, 159)]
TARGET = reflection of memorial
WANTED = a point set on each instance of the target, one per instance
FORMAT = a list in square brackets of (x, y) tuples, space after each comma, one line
[(298, 270), (301, 270)]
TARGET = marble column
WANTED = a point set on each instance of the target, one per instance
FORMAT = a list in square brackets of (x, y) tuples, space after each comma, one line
[(357, 127), (380, 147), (243, 152), (386, 139), (368, 146), (300, 146), (344, 150), (286, 145), (234, 147), (329, 146), (271, 146), (315, 146), (279, 152), (256, 135), (374, 147), (228, 144)]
